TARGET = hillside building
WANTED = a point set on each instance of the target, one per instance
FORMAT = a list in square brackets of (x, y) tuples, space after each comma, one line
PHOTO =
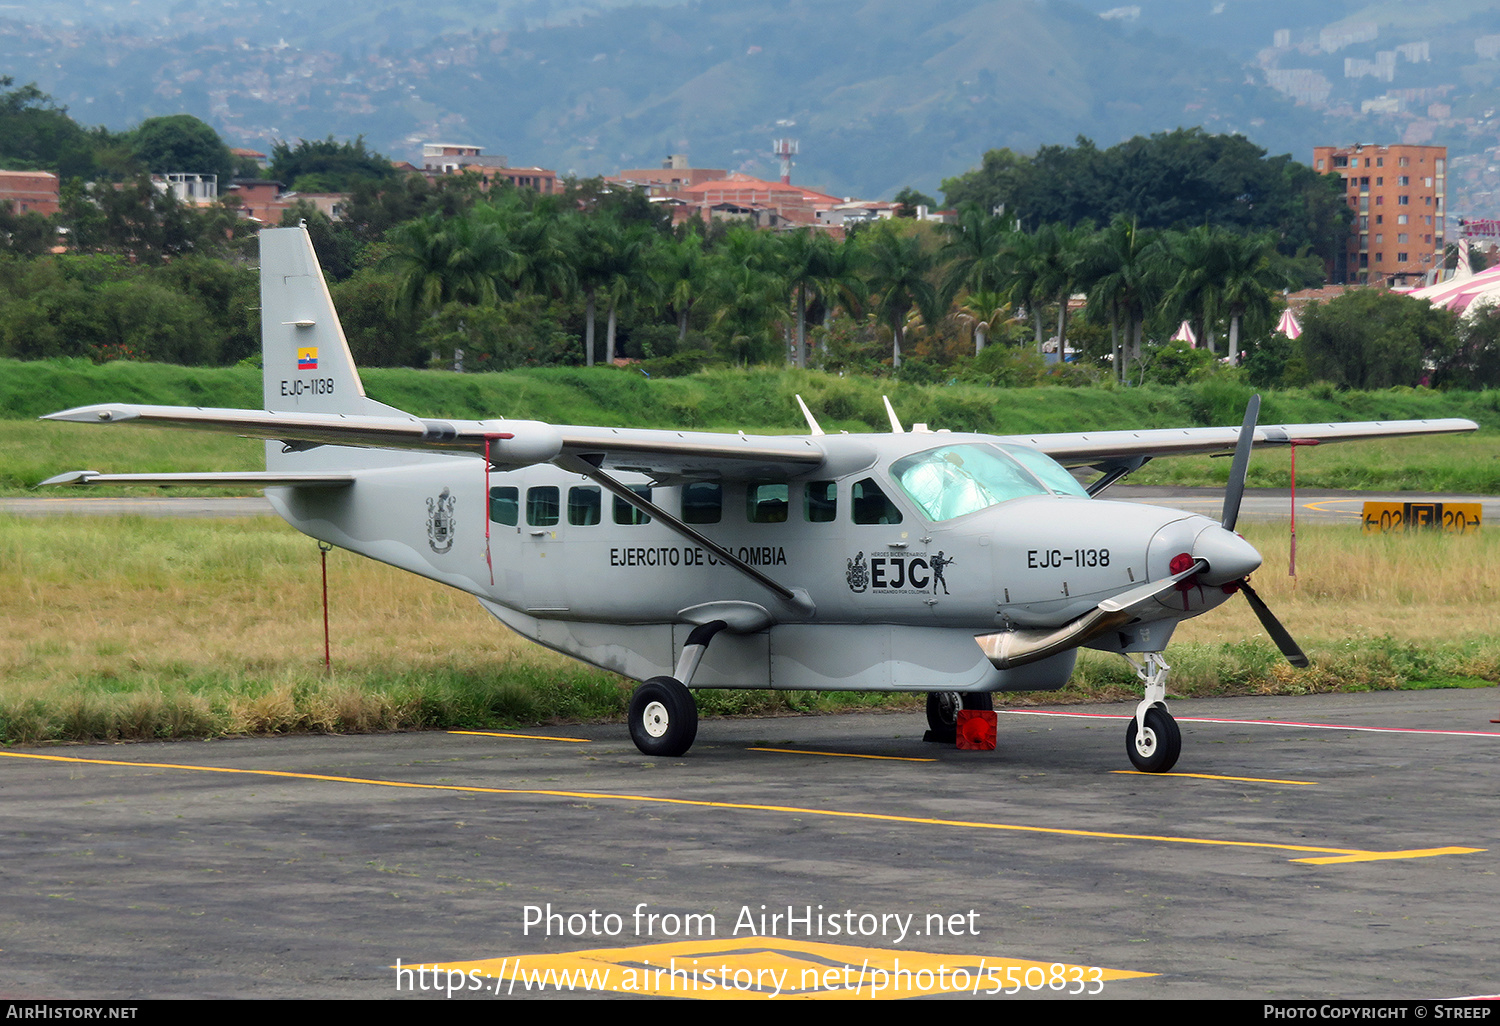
[(675, 173), (29, 192), (453, 158), (1398, 196)]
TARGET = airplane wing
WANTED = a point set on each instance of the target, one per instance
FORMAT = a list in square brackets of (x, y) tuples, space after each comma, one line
[(1111, 448), (509, 443)]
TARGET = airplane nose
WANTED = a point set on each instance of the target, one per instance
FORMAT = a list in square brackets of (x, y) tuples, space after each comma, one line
[(1229, 556)]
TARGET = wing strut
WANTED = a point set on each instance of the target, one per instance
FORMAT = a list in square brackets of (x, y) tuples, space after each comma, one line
[(796, 598)]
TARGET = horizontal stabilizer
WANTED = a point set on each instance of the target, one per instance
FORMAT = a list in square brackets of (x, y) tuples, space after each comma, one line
[(248, 479)]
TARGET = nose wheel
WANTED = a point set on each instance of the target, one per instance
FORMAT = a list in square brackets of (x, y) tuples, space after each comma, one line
[(1152, 738), (1155, 747)]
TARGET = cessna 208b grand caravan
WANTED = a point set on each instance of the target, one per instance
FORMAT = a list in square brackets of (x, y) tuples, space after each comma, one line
[(952, 564)]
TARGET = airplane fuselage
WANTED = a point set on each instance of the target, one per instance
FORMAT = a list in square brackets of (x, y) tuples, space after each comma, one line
[(896, 596)]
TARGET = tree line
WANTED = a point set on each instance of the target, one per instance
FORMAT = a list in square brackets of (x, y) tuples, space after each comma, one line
[(1022, 288)]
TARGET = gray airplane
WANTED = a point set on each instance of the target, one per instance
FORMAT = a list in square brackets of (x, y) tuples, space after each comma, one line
[(953, 564)]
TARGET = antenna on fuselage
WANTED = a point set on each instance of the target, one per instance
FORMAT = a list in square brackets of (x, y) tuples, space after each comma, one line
[(890, 412), (812, 424)]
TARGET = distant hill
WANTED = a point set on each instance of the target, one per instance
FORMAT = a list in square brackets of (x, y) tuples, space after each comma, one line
[(880, 93)]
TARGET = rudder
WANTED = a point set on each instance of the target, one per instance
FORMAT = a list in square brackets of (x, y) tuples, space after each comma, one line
[(306, 365)]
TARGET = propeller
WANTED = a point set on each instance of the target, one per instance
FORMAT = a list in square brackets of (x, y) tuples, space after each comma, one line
[(1234, 493), (1278, 633)]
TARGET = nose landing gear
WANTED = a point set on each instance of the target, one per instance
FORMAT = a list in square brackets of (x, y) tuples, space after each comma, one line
[(1152, 738)]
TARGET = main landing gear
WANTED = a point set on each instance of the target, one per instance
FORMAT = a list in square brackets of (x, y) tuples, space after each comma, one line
[(942, 712), (663, 714), (1152, 738), (663, 717)]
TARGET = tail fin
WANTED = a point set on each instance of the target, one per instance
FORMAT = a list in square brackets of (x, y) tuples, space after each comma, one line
[(305, 359)]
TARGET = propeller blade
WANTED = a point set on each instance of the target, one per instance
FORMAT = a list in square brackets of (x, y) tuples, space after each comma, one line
[(1278, 633), (1235, 491)]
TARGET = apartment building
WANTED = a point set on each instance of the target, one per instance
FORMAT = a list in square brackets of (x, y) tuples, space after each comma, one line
[(1397, 194)]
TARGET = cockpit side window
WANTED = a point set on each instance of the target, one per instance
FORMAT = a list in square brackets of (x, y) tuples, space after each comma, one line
[(1051, 473), (870, 506), (959, 479)]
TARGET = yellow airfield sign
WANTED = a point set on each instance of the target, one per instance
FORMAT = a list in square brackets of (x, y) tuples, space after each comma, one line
[(1452, 517)]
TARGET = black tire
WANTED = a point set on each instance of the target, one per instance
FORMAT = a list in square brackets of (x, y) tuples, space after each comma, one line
[(1161, 746), (663, 717), (943, 707), (942, 711)]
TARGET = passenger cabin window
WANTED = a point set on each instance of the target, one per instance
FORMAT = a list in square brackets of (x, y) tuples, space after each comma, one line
[(505, 506), (542, 506), (766, 503), (820, 502), (585, 505), (625, 513), (702, 503), (870, 505), (960, 479)]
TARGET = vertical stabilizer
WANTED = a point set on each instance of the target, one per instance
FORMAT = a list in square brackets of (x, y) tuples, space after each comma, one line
[(305, 359)]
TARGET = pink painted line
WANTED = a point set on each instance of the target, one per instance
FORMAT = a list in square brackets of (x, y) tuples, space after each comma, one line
[(1261, 723)]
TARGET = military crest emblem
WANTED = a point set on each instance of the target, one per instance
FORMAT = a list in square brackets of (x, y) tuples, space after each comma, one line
[(440, 522), (857, 572)]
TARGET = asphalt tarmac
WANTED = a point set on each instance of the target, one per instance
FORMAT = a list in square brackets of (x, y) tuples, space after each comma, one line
[(1318, 847)]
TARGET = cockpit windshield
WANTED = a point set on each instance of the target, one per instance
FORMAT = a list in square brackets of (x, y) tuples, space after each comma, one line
[(959, 479)]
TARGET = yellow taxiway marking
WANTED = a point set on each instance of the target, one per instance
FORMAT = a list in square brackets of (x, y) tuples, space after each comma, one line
[(1211, 776), (523, 737), (1339, 854), (842, 755), (760, 967)]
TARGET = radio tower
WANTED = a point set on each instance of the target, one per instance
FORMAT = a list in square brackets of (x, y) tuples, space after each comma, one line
[(784, 150)]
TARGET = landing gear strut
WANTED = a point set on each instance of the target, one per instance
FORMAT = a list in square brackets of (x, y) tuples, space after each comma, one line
[(663, 715), (1152, 738)]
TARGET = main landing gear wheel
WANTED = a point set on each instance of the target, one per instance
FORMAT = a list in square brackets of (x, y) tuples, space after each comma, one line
[(942, 712), (1155, 749), (663, 717)]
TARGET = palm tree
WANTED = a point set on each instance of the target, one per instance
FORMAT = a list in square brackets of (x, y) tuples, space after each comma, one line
[(1122, 267), (442, 260), (799, 258), (975, 252), (839, 275), (1197, 293), (1021, 276), (605, 256), (982, 310), (899, 268), (1060, 251), (1250, 278), (749, 288), (680, 269)]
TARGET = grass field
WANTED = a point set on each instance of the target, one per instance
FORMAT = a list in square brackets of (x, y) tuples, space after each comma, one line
[(134, 628)]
